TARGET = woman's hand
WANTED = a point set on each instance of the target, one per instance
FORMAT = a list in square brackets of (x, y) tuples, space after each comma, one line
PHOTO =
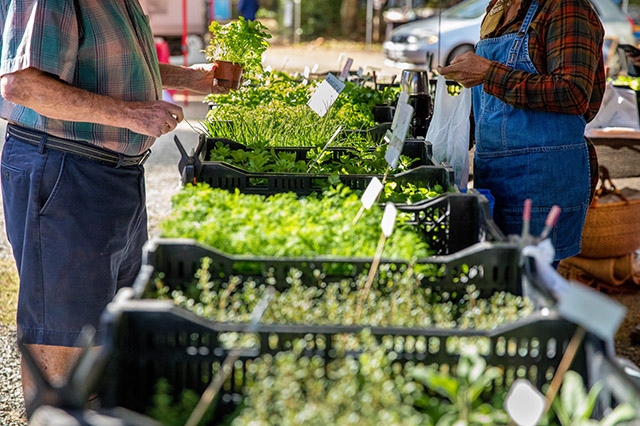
[(467, 69)]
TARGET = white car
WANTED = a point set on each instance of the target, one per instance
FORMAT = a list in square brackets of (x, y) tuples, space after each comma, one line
[(416, 42)]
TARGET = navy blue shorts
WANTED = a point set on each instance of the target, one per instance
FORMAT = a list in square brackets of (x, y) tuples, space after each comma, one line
[(77, 227)]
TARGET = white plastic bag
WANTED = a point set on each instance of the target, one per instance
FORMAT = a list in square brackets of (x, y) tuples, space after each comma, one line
[(619, 108), (449, 130)]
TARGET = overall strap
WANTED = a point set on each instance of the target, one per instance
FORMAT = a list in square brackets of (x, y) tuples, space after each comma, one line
[(519, 39)]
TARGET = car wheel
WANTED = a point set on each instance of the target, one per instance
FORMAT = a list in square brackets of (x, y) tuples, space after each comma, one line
[(459, 51)]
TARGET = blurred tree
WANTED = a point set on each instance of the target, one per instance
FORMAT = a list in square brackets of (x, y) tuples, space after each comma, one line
[(348, 16)]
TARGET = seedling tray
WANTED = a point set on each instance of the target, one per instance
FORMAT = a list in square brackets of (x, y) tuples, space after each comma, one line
[(413, 148), (148, 340), (225, 176)]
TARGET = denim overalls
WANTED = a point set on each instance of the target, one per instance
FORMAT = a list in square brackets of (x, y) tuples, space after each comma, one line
[(524, 154)]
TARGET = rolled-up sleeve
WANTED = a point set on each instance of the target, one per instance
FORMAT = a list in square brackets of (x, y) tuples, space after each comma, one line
[(42, 34), (573, 41)]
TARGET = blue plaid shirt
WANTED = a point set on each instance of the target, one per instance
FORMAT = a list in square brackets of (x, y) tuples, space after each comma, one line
[(102, 46)]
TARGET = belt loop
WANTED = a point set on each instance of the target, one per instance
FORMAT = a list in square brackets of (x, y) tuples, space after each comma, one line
[(43, 143), (120, 160)]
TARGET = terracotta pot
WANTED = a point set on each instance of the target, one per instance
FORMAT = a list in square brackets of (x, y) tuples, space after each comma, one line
[(228, 74)]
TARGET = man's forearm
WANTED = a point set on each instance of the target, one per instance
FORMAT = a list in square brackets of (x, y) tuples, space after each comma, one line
[(50, 97), (183, 78), (55, 99)]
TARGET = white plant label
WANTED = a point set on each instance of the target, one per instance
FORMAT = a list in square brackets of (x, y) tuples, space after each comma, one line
[(594, 311), (325, 95), (371, 193), (345, 70), (315, 68), (403, 98), (404, 113), (307, 71), (524, 404), (389, 219)]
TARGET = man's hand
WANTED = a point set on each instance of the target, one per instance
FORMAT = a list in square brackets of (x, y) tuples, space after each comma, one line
[(205, 83), (467, 69), (153, 118)]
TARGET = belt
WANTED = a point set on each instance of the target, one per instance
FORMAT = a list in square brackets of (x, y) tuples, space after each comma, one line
[(37, 138)]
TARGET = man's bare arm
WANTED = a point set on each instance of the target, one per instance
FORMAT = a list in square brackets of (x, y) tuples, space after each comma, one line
[(53, 98), (197, 78)]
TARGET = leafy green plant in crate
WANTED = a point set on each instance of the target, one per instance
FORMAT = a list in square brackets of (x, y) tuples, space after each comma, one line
[(574, 406), (235, 47), (283, 225), (461, 401)]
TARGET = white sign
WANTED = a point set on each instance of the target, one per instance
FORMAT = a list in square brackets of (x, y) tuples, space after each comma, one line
[(325, 95), (402, 117), (389, 219), (345, 70), (524, 404), (371, 193), (594, 311)]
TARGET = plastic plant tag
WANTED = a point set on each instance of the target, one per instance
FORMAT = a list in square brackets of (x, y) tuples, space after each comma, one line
[(596, 312), (404, 113), (315, 68), (306, 72), (371, 193), (360, 72), (524, 404), (403, 98), (325, 95), (268, 69), (389, 219), (345, 70)]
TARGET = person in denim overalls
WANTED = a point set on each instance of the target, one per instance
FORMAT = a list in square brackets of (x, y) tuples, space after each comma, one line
[(528, 153)]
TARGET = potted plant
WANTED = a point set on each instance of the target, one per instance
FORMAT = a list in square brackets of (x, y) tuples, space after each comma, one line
[(236, 47)]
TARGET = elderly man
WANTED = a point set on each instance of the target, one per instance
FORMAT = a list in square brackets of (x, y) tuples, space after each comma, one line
[(81, 89)]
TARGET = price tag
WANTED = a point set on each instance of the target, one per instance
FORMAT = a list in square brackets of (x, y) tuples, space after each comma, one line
[(345, 70), (594, 311), (325, 95), (389, 219), (404, 113), (371, 193), (524, 404)]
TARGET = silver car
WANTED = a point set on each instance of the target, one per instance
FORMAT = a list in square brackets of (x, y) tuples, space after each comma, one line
[(417, 42)]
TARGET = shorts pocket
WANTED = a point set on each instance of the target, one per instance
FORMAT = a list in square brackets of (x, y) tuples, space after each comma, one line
[(15, 197), (51, 181)]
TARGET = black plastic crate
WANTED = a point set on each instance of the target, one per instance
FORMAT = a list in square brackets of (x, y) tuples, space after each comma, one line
[(225, 176), (491, 267), (413, 148), (149, 340)]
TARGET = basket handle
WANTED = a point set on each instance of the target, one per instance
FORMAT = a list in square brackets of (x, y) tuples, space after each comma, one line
[(606, 185)]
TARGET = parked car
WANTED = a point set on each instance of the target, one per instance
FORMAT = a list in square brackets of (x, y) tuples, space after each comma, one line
[(460, 30)]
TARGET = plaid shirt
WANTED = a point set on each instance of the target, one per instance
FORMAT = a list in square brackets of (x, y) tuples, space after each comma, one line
[(565, 46), (102, 46)]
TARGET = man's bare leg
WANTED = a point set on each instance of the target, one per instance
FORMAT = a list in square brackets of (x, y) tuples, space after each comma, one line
[(54, 361)]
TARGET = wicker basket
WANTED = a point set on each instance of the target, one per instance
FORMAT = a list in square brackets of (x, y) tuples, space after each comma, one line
[(611, 229)]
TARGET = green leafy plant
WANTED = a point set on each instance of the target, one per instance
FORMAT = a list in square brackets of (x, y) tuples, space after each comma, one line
[(283, 225), (173, 410), (574, 405), (291, 389), (242, 42), (397, 299), (461, 400)]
